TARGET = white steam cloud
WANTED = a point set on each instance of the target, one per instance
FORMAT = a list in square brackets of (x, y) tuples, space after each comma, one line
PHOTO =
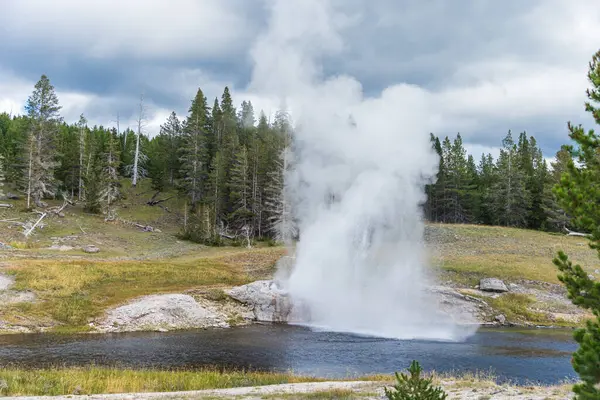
[(360, 165)]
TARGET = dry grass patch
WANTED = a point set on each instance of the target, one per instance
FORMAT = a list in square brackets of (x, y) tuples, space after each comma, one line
[(73, 292), (96, 380), (467, 253)]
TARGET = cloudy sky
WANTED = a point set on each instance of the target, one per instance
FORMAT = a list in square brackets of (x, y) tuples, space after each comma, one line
[(485, 66)]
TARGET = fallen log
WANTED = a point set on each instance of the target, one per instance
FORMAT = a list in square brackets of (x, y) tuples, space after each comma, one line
[(154, 202), (27, 233), (573, 233), (4, 205)]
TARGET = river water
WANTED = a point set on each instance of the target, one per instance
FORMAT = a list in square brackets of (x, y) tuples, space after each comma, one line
[(521, 356)]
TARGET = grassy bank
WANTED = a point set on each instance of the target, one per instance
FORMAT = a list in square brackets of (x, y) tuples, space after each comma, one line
[(467, 253), (100, 380), (73, 287), (94, 380), (73, 291)]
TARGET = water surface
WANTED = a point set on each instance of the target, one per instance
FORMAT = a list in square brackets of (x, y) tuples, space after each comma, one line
[(520, 356)]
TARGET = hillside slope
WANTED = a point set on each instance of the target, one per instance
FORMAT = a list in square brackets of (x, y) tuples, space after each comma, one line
[(71, 287)]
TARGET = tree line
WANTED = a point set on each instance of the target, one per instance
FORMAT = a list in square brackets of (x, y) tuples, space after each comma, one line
[(514, 190), (228, 166)]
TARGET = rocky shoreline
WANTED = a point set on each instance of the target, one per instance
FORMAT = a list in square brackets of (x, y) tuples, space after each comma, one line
[(264, 301)]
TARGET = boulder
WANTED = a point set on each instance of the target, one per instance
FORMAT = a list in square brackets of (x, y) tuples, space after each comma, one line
[(8, 296), (160, 313), (61, 247), (501, 319), (268, 302), (90, 249), (492, 285), (15, 296), (461, 308), (6, 282)]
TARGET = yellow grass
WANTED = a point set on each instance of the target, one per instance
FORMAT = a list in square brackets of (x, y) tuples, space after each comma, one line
[(94, 380), (473, 252), (72, 292)]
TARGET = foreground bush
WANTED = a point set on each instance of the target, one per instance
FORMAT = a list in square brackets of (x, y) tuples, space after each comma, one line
[(414, 387), (579, 194)]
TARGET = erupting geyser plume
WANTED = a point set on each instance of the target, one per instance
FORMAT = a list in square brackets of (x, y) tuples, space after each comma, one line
[(359, 166)]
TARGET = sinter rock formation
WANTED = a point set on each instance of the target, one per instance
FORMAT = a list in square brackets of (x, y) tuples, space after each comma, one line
[(160, 313)]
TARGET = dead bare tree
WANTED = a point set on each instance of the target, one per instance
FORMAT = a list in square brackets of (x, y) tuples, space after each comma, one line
[(141, 123)]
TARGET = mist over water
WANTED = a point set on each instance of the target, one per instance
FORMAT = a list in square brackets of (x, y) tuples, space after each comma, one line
[(359, 169)]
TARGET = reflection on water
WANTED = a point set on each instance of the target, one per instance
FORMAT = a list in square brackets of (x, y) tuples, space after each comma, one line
[(516, 355)]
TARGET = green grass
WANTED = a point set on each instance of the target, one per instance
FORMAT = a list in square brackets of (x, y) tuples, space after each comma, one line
[(515, 307), (95, 380), (473, 252), (72, 292), (104, 380)]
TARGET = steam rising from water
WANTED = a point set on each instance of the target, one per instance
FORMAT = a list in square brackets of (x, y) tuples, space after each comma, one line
[(360, 165)]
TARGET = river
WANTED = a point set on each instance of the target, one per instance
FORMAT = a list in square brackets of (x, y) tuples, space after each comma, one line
[(520, 356)]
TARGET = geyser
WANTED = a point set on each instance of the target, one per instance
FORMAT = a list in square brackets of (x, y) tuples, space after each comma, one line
[(356, 184)]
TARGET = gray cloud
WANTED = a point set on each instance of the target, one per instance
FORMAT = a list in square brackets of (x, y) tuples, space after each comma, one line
[(485, 66)]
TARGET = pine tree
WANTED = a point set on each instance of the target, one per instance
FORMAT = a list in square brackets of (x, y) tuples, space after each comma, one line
[(171, 130), (556, 218), (14, 150), (281, 220), (415, 386), (216, 132), (2, 175), (439, 187), (455, 179), (246, 122), (229, 145), (110, 190), (578, 193), (217, 181), (164, 154), (509, 193), (193, 152), (241, 189), (261, 154), (43, 111), (471, 192), (81, 125), (536, 183), (278, 205), (431, 202), (92, 181)]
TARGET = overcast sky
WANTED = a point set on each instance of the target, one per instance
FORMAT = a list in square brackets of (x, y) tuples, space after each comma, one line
[(486, 66)]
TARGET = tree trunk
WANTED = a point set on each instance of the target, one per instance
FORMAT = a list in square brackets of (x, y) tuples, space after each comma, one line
[(29, 173)]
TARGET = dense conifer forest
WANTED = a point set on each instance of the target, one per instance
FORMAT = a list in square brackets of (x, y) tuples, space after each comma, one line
[(228, 164)]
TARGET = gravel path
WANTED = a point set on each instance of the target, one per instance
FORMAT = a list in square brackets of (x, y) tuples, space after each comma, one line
[(241, 392), (361, 389)]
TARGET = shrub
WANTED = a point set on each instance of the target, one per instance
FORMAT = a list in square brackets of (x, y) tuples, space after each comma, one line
[(215, 295), (414, 387), (578, 193)]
